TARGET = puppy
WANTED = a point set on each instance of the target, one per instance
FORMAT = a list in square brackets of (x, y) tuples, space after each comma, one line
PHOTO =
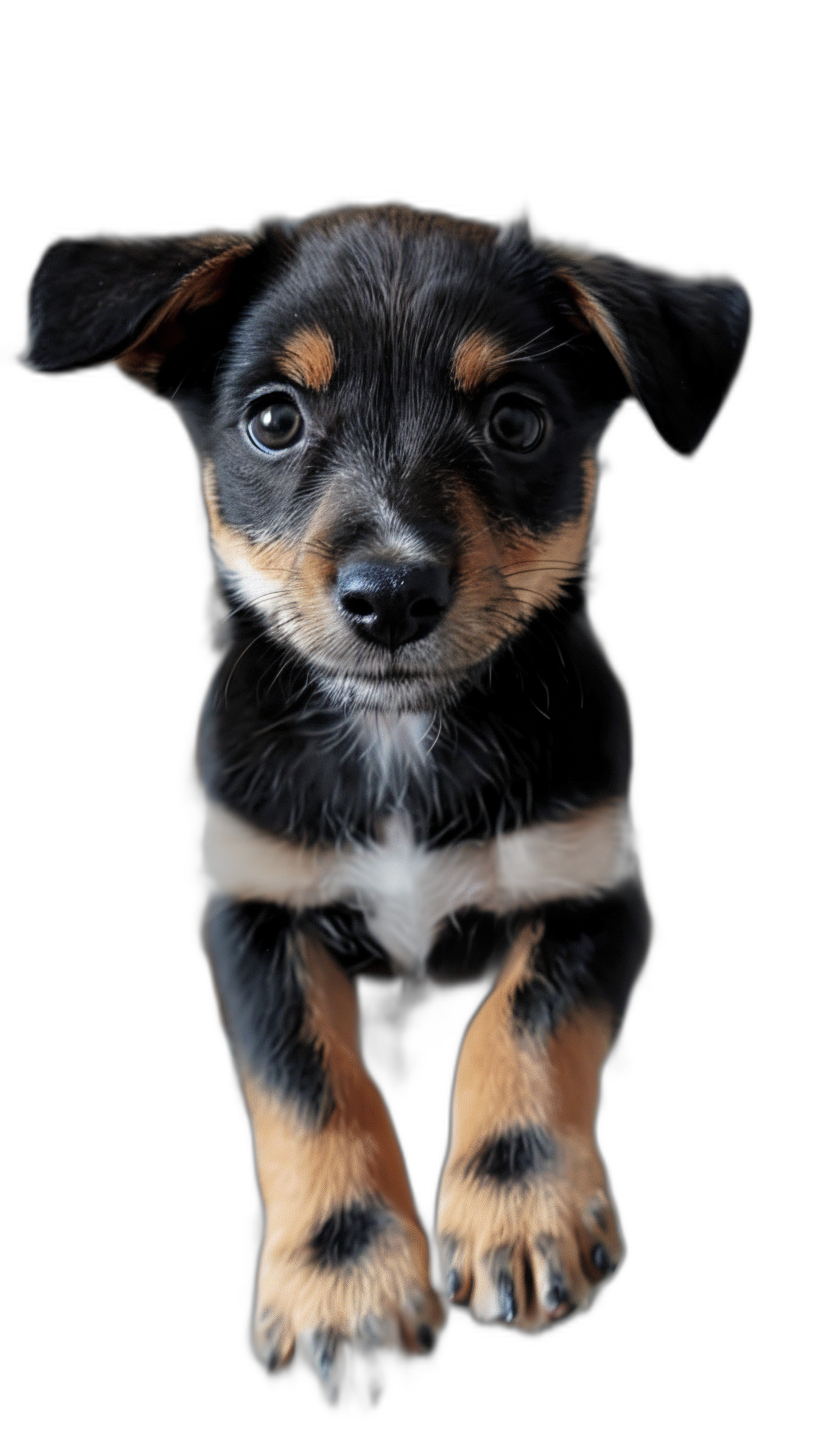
[(415, 754)]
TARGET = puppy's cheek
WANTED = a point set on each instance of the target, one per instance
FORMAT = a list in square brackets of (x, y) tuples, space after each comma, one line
[(507, 575)]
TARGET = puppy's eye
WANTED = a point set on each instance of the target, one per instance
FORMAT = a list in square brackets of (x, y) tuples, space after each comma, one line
[(277, 424), (517, 423)]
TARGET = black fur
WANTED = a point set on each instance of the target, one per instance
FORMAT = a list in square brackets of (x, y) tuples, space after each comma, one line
[(529, 730), (254, 960), (534, 731), (347, 1234), (543, 730), (590, 952), (515, 1157)]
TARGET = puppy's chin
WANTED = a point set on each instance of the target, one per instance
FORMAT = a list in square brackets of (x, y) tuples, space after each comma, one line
[(390, 692)]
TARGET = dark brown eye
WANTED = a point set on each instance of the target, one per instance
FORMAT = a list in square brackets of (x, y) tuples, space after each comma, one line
[(277, 424), (516, 423)]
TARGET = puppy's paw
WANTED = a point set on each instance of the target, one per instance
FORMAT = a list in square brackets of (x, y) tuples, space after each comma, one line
[(527, 1227), (360, 1274)]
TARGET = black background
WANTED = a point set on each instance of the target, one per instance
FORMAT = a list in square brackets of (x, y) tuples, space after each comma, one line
[(137, 1197)]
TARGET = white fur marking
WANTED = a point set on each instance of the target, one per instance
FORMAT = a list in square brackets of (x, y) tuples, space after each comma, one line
[(413, 890), (395, 743)]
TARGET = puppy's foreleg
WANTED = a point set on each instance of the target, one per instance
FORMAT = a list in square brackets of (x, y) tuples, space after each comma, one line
[(343, 1252), (525, 1217)]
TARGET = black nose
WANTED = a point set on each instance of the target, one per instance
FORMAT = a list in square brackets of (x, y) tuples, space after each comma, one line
[(392, 604)]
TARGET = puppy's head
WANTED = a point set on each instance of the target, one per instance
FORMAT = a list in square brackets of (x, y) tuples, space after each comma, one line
[(397, 415)]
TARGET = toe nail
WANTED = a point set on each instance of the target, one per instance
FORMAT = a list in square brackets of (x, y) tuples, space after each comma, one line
[(601, 1259), (425, 1337), (557, 1294), (454, 1283), (508, 1304)]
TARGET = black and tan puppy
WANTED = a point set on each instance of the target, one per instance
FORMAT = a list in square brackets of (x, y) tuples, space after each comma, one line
[(415, 753)]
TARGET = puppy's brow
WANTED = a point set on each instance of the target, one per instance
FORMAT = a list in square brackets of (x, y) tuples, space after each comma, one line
[(308, 358), (478, 359)]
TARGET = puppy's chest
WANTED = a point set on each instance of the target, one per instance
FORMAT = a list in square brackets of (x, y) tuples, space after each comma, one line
[(404, 884), (410, 888)]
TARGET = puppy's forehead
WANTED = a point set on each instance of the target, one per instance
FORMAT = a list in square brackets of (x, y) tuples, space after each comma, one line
[(366, 294)]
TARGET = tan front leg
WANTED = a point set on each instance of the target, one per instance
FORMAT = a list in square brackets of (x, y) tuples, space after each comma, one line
[(525, 1218), (343, 1254)]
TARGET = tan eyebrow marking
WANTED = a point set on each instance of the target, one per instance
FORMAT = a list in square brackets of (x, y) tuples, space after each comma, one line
[(478, 360), (308, 358)]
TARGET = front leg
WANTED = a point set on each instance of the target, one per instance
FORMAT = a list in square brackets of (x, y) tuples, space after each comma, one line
[(525, 1218), (343, 1255)]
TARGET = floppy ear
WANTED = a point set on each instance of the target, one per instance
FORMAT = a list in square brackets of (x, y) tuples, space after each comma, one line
[(137, 302), (677, 343)]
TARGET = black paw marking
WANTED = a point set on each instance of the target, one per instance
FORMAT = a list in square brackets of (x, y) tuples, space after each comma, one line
[(347, 1234), (519, 1154)]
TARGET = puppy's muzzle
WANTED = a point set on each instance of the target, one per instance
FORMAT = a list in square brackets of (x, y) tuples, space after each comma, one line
[(392, 604)]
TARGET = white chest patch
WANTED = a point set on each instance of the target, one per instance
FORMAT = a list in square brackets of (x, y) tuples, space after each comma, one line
[(405, 889), (393, 750), (411, 890)]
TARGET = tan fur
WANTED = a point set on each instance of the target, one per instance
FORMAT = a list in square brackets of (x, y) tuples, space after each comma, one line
[(505, 576), (479, 359), (306, 1174), (270, 561), (203, 286), (512, 575), (598, 319), (308, 358), (537, 568), (507, 1079), (281, 574), (547, 861)]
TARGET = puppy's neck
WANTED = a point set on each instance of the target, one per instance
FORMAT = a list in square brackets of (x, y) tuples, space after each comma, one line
[(396, 745)]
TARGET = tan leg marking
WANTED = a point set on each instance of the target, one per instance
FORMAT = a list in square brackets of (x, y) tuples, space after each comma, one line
[(307, 1176), (527, 1248)]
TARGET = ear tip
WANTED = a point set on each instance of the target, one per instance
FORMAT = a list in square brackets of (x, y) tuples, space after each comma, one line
[(41, 358), (734, 311)]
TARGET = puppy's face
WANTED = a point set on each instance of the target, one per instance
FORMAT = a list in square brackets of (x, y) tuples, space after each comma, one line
[(397, 416), (399, 469)]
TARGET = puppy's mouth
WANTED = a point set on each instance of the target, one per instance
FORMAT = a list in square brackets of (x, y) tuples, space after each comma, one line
[(394, 690)]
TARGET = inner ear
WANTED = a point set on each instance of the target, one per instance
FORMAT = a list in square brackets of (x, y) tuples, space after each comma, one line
[(169, 328), (143, 302), (677, 343)]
